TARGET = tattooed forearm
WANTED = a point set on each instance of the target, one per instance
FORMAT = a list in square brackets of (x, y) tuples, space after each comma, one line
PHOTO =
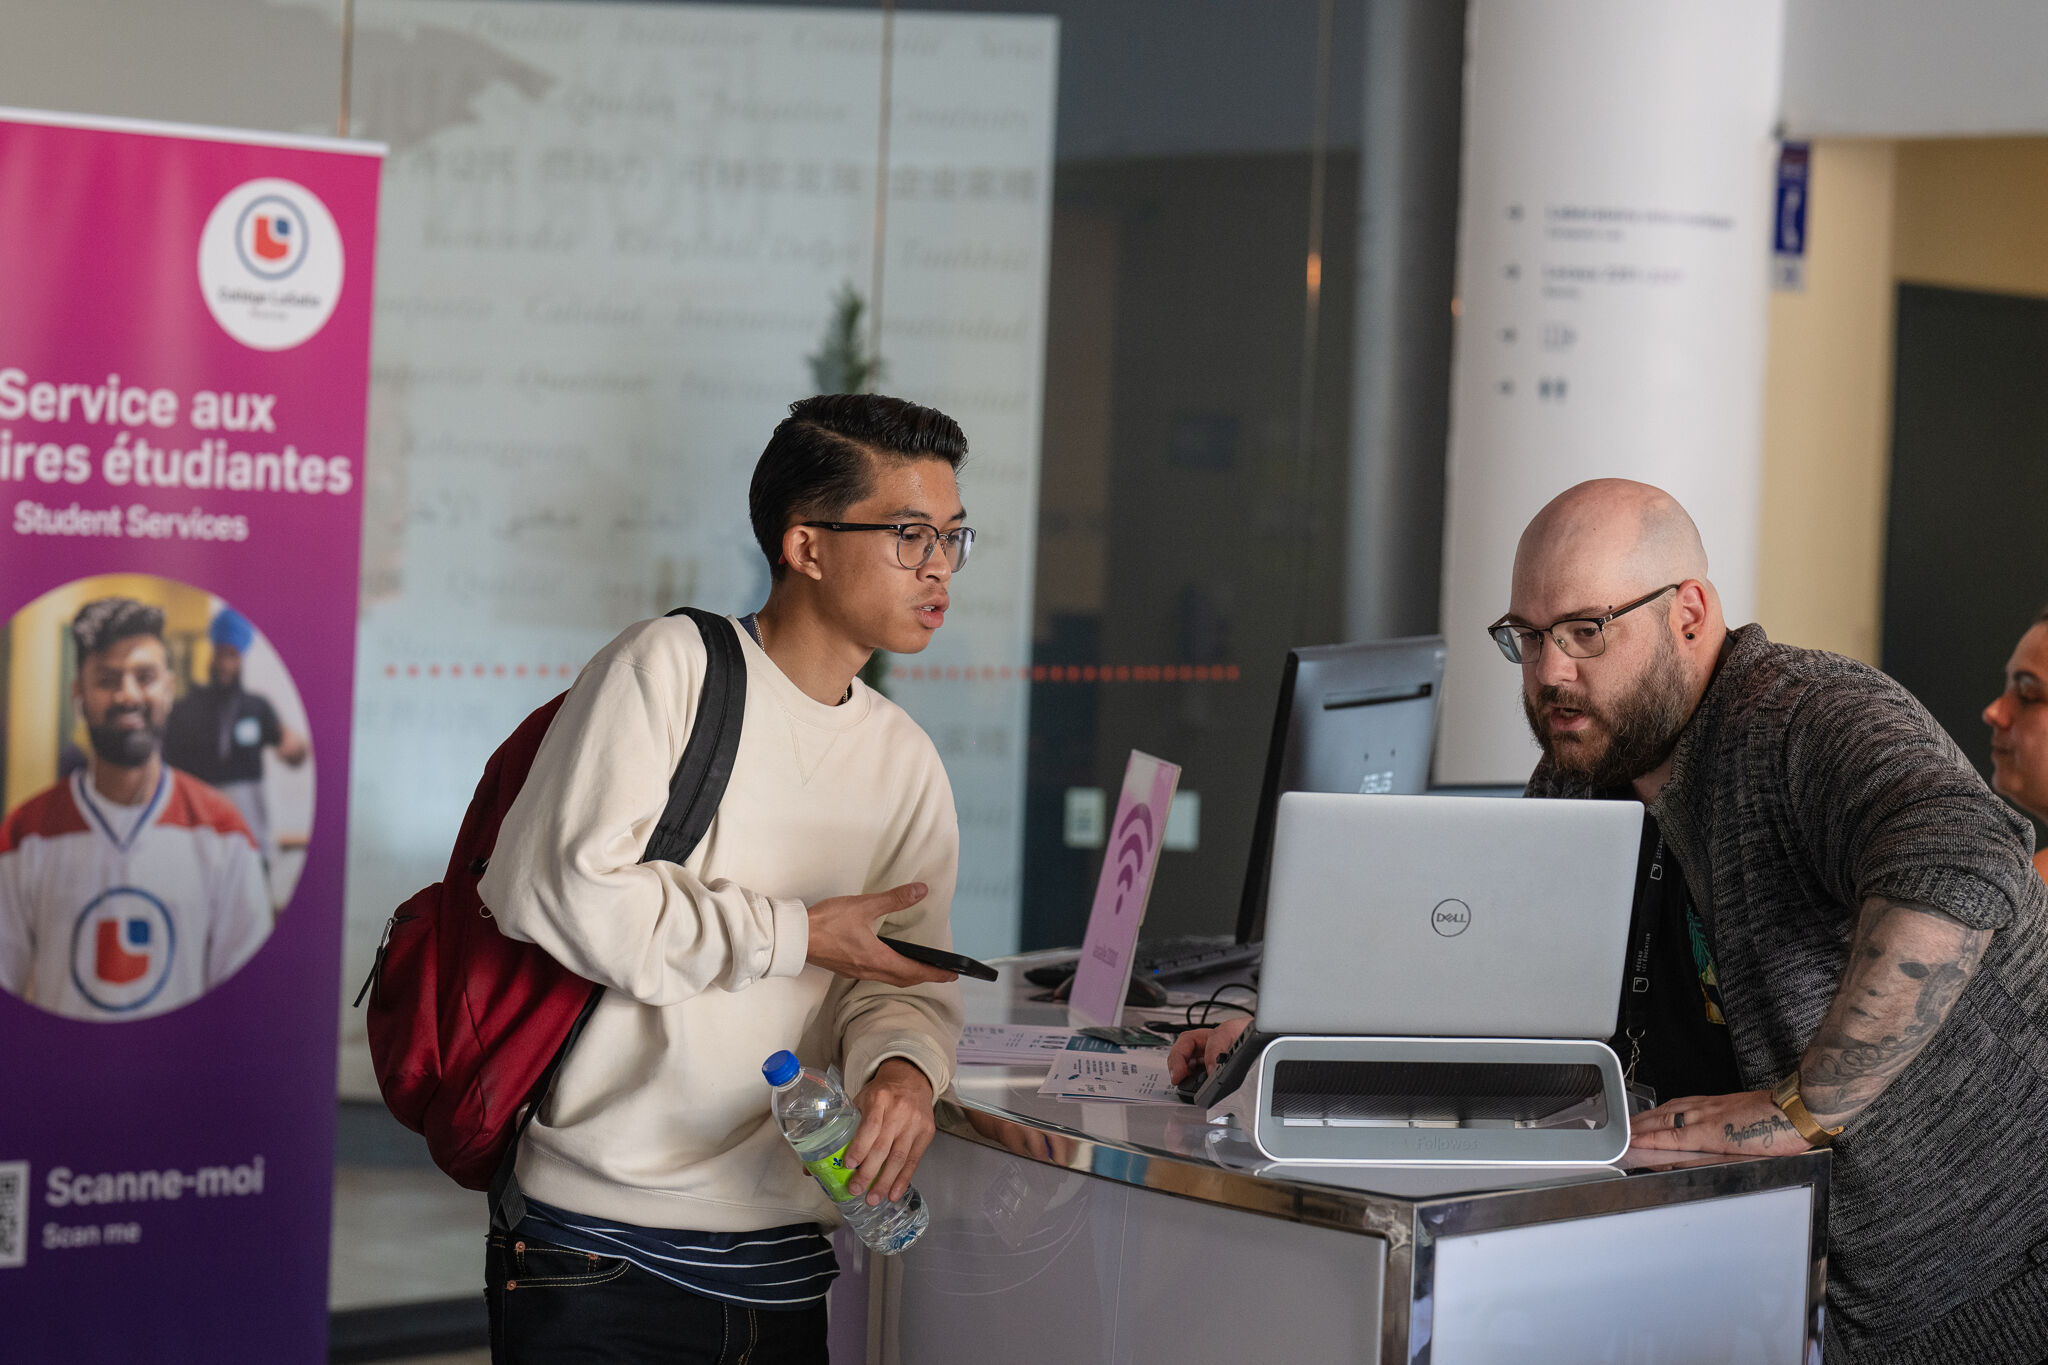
[(1764, 1132), (1906, 968)]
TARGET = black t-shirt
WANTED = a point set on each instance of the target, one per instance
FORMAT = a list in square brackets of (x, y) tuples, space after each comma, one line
[(218, 734), (1684, 1047)]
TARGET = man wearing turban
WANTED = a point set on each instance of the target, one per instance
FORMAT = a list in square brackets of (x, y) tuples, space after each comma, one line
[(219, 730)]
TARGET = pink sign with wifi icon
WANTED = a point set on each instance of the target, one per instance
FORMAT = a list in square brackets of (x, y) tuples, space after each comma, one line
[(1128, 861)]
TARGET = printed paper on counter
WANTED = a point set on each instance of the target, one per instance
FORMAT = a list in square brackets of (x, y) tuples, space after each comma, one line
[(1129, 1077), (1012, 1044)]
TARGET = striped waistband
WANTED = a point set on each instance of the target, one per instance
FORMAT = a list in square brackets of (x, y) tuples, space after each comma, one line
[(785, 1267)]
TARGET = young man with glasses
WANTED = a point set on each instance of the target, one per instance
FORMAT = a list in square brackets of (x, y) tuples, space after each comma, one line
[(1840, 934), (666, 1217)]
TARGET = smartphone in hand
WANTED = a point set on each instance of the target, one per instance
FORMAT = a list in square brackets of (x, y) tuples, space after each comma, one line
[(940, 958)]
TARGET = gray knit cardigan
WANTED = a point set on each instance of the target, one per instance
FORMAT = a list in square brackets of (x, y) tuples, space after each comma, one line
[(1804, 783)]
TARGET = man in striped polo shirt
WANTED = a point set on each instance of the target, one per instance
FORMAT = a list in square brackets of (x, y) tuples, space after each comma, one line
[(128, 888)]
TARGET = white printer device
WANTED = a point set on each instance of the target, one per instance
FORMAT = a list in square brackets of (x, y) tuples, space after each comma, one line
[(1440, 974)]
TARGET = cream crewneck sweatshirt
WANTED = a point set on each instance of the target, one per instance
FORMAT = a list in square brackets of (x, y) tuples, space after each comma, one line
[(660, 1116)]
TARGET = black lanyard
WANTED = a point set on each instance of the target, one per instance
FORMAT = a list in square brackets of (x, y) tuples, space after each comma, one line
[(1649, 908)]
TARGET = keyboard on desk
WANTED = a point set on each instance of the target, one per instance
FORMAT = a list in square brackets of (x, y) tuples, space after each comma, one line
[(1187, 956), (1165, 960)]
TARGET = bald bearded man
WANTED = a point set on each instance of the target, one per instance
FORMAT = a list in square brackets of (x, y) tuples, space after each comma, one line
[(1846, 941)]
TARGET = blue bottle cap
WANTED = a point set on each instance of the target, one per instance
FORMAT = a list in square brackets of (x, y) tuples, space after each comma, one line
[(782, 1068)]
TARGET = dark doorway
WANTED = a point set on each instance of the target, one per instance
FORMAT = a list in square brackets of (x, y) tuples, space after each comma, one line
[(1966, 554)]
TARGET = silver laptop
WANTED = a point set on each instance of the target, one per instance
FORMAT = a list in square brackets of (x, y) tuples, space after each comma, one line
[(1446, 916)]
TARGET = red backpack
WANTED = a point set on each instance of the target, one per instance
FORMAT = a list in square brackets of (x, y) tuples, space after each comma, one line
[(468, 1027)]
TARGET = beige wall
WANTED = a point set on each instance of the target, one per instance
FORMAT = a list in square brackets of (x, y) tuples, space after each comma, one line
[(1973, 214), (1965, 213), (1827, 413)]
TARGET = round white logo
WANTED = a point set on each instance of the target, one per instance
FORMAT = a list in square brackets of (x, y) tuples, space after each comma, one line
[(121, 949), (248, 732), (270, 264)]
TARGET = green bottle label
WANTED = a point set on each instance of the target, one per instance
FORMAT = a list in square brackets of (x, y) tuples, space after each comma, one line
[(833, 1173)]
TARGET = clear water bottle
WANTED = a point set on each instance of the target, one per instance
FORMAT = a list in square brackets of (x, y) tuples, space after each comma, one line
[(819, 1120)]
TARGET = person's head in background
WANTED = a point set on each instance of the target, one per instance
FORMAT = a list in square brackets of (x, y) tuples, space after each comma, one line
[(231, 635), (856, 505), (2018, 718)]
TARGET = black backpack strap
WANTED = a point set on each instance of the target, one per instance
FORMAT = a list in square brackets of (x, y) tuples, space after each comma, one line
[(693, 796), (699, 782)]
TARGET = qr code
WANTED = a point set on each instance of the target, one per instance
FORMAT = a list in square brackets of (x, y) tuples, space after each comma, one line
[(13, 1213)]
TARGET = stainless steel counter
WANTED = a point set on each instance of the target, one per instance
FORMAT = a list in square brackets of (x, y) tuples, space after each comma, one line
[(1462, 1254)]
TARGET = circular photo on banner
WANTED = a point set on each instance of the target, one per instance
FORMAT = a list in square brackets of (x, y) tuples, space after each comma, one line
[(158, 796)]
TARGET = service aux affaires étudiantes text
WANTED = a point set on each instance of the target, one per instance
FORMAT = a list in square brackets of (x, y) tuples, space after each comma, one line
[(131, 459)]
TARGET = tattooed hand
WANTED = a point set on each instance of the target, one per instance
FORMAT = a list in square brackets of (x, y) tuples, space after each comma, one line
[(1747, 1124)]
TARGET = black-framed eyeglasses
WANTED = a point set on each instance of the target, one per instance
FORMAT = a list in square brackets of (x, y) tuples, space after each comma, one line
[(915, 540), (1576, 637)]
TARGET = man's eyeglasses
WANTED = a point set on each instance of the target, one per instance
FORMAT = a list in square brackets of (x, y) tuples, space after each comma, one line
[(1576, 637), (915, 540)]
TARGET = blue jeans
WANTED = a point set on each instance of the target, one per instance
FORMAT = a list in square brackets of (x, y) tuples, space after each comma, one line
[(553, 1306)]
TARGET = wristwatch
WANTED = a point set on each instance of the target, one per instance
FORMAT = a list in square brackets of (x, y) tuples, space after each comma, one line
[(1786, 1097)]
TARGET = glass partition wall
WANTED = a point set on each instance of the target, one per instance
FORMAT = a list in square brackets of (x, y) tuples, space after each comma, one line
[(616, 240), (1117, 240), (1197, 419), (585, 332)]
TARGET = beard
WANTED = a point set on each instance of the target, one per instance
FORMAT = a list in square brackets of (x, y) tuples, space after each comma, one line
[(124, 748), (1641, 725)]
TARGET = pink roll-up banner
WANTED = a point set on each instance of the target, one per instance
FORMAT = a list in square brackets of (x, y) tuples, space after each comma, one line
[(184, 365)]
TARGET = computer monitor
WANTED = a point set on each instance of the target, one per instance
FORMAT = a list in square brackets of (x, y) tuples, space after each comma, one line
[(1357, 718)]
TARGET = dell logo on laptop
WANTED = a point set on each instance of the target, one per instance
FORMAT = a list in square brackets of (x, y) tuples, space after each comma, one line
[(1451, 918)]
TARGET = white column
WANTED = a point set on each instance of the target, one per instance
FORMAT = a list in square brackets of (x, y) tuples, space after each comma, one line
[(1612, 280)]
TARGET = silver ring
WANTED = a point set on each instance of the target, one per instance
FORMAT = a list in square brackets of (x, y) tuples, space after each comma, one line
[(1678, 1119)]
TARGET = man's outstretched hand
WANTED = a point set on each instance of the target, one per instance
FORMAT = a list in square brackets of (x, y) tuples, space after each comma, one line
[(843, 941)]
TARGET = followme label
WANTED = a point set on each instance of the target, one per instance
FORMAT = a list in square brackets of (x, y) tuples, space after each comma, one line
[(270, 264), (64, 1188)]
